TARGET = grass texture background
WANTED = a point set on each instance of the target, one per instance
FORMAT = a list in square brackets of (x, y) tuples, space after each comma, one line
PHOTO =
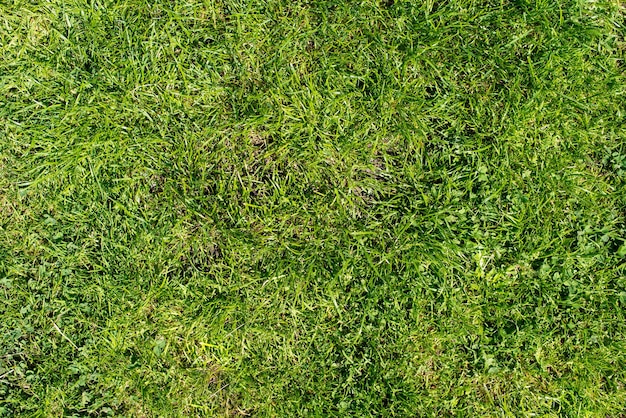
[(312, 208)]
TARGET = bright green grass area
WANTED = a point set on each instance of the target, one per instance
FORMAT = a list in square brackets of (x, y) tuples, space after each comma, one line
[(323, 208)]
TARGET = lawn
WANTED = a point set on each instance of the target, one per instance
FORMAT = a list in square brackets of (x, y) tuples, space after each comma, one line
[(279, 208)]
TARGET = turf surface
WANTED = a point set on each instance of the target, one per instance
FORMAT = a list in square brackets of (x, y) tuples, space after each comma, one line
[(312, 208)]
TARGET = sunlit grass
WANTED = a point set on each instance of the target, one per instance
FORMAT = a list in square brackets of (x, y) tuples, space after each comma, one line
[(278, 208)]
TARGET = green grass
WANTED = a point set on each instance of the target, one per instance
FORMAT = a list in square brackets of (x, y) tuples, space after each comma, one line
[(312, 208)]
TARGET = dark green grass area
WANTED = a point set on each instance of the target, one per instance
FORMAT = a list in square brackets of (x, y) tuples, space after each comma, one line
[(312, 208)]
